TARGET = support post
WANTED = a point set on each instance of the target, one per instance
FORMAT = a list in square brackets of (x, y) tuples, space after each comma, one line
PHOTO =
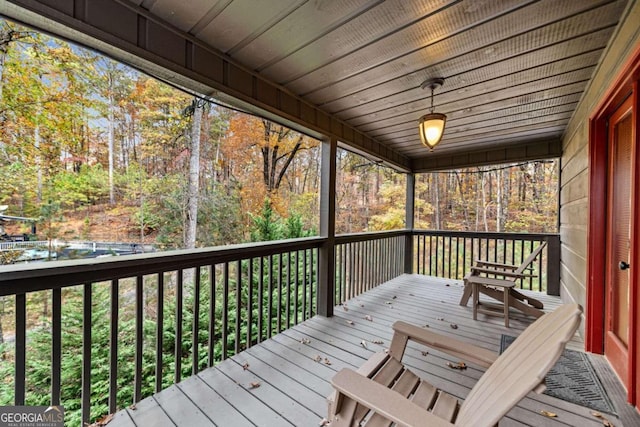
[(326, 258), (553, 265), (409, 223)]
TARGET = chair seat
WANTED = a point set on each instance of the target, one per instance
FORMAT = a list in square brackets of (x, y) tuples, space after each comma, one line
[(394, 375)]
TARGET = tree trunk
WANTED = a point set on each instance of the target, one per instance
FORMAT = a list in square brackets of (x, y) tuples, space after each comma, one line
[(436, 200), (194, 176), (111, 131)]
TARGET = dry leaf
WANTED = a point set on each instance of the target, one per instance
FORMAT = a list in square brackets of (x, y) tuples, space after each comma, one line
[(411, 295), (133, 407), (103, 421), (386, 350), (318, 358), (327, 361), (363, 343), (369, 318), (254, 384), (439, 318), (361, 305), (324, 422), (425, 353), (389, 302), (454, 326), (394, 297), (377, 341), (447, 284), (460, 365), (605, 421), (245, 366), (548, 414), (305, 340), (350, 322), (345, 308)]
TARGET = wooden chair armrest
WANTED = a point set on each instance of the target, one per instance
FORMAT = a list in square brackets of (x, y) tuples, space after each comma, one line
[(504, 273), (483, 263), (452, 346), (384, 401)]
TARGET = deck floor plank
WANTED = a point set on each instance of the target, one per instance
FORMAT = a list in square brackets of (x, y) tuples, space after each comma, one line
[(294, 382), (180, 408)]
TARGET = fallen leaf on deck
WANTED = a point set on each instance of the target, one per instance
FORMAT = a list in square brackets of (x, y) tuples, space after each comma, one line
[(324, 422), (363, 343), (377, 341), (245, 366), (103, 421), (345, 308), (425, 353), (369, 318), (361, 305), (318, 358), (411, 295), (439, 318), (548, 414), (394, 297), (254, 384), (389, 302), (447, 284), (460, 365), (605, 421), (305, 340), (133, 407), (350, 322), (386, 350), (425, 326), (327, 361), (454, 326)]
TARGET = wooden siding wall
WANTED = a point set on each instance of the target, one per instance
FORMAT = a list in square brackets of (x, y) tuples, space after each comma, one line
[(574, 186)]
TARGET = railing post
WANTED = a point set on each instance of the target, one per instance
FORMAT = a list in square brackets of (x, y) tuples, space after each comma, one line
[(326, 258), (409, 222), (553, 265)]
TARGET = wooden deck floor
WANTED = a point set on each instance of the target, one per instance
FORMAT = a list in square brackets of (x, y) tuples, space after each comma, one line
[(293, 385)]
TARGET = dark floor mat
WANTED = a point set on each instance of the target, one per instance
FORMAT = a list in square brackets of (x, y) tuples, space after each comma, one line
[(573, 379)]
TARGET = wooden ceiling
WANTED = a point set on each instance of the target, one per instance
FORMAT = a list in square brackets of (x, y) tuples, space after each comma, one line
[(514, 70)]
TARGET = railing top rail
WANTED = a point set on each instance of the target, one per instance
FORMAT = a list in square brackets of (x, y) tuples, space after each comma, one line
[(371, 235), (19, 278), (488, 234)]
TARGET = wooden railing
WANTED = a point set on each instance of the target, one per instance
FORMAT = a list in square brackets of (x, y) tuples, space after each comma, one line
[(150, 320), (140, 314), (450, 254), (366, 260)]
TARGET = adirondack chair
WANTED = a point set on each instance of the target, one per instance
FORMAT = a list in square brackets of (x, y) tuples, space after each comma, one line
[(497, 280), (383, 391)]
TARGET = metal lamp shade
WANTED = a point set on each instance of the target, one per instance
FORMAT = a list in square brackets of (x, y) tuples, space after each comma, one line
[(432, 129)]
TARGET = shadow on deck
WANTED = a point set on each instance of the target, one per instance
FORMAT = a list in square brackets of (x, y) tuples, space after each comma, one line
[(284, 381)]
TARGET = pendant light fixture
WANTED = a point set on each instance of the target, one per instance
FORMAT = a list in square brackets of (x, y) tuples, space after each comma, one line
[(432, 125)]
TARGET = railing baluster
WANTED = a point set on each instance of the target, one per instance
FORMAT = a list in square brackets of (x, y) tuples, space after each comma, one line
[(260, 298), (225, 309), (137, 390), (212, 314), (113, 345), (250, 305), (86, 354), (20, 347), (305, 283), (270, 302), (296, 287), (178, 337), (238, 305), (288, 297), (195, 326), (159, 330), (56, 345), (280, 267)]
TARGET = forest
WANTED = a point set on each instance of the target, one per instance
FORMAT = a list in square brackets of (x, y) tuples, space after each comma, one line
[(96, 150)]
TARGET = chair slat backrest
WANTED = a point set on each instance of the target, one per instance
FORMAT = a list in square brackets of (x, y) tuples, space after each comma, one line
[(520, 368), (532, 256)]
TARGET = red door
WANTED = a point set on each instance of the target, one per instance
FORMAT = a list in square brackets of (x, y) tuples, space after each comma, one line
[(617, 298)]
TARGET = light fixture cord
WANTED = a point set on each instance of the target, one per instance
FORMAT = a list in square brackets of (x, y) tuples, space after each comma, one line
[(432, 99)]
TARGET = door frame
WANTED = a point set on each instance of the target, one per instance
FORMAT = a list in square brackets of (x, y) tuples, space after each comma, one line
[(625, 84)]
